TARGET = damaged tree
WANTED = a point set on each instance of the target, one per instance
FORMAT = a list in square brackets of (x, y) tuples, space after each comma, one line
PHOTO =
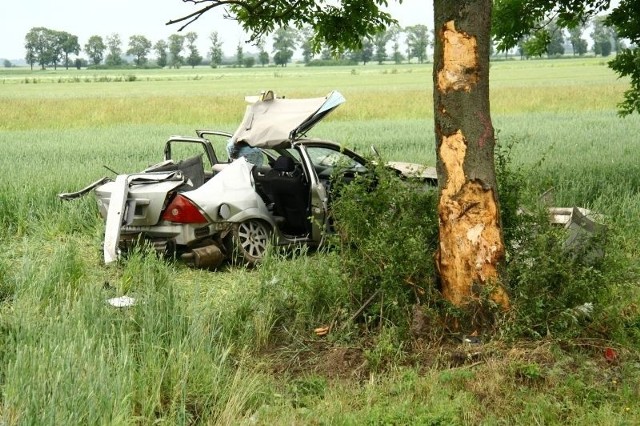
[(471, 243)]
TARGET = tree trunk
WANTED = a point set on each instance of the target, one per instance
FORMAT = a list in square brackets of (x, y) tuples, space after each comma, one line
[(471, 242)]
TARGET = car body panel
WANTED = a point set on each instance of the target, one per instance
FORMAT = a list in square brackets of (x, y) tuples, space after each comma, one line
[(270, 121), (414, 170), (145, 201), (234, 188)]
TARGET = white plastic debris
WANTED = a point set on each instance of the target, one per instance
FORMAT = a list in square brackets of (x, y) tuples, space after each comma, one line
[(122, 302)]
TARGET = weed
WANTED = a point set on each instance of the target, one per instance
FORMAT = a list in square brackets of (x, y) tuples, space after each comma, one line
[(387, 350), (7, 287), (458, 378), (306, 391), (528, 372), (142, 266), (300, 290)]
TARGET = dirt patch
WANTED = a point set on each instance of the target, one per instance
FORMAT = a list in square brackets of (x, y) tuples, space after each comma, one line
[(350, 362), (343, 363), (530, 363), (319, 358)]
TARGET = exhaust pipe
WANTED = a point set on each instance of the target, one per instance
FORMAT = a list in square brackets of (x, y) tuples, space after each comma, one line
[(204, 257)]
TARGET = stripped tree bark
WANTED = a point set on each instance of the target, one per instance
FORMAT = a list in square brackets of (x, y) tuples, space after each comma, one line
[(471, 242)]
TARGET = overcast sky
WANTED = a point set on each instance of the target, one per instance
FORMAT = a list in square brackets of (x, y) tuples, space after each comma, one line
[(85, 18)]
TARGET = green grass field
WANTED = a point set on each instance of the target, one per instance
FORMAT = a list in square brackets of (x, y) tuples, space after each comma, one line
[(200, 346)]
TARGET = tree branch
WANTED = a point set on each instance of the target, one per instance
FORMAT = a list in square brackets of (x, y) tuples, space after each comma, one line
[(192, 17), (339, 24)]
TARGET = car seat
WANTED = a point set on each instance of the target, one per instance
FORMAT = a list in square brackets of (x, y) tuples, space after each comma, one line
[(290, 195)]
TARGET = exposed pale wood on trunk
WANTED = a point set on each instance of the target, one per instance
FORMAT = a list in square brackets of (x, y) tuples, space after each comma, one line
[(471, 244)]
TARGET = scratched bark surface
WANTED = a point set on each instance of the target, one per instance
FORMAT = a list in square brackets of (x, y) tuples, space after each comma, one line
[(471, 244)]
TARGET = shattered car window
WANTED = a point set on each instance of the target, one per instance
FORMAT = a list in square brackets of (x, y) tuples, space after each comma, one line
[(326, 160)]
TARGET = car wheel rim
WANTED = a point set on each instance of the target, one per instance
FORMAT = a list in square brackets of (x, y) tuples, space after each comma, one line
[(253, 238)]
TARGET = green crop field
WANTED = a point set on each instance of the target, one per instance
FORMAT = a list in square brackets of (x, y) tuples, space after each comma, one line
[(199, 347)]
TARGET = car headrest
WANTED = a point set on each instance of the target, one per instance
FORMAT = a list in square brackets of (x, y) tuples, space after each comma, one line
[(284, 164)]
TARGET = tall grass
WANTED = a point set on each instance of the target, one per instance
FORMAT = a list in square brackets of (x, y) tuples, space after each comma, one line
[(77, 360)]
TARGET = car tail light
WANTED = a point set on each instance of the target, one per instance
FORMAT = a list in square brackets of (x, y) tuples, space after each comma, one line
[(182, 210)]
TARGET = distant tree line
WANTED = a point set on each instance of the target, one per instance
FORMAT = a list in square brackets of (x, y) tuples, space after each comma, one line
[(46, 47), (50, 47), (553, 39)]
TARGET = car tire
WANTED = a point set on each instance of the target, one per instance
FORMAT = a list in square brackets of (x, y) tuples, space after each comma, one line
[(249, 241)]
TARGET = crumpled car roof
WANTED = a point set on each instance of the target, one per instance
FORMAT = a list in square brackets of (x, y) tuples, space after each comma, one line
[(271, 122)]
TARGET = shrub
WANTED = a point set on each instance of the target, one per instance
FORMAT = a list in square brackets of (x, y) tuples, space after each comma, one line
[(386, 235), (555, 289), (330, 62)]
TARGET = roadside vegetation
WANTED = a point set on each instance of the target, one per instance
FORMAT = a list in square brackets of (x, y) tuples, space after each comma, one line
[(355, 333)]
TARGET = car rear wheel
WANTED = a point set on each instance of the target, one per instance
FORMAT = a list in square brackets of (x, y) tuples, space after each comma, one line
[(250, 241)]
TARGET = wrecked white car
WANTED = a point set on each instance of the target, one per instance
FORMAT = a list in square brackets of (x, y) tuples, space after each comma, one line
[(206, 214)]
